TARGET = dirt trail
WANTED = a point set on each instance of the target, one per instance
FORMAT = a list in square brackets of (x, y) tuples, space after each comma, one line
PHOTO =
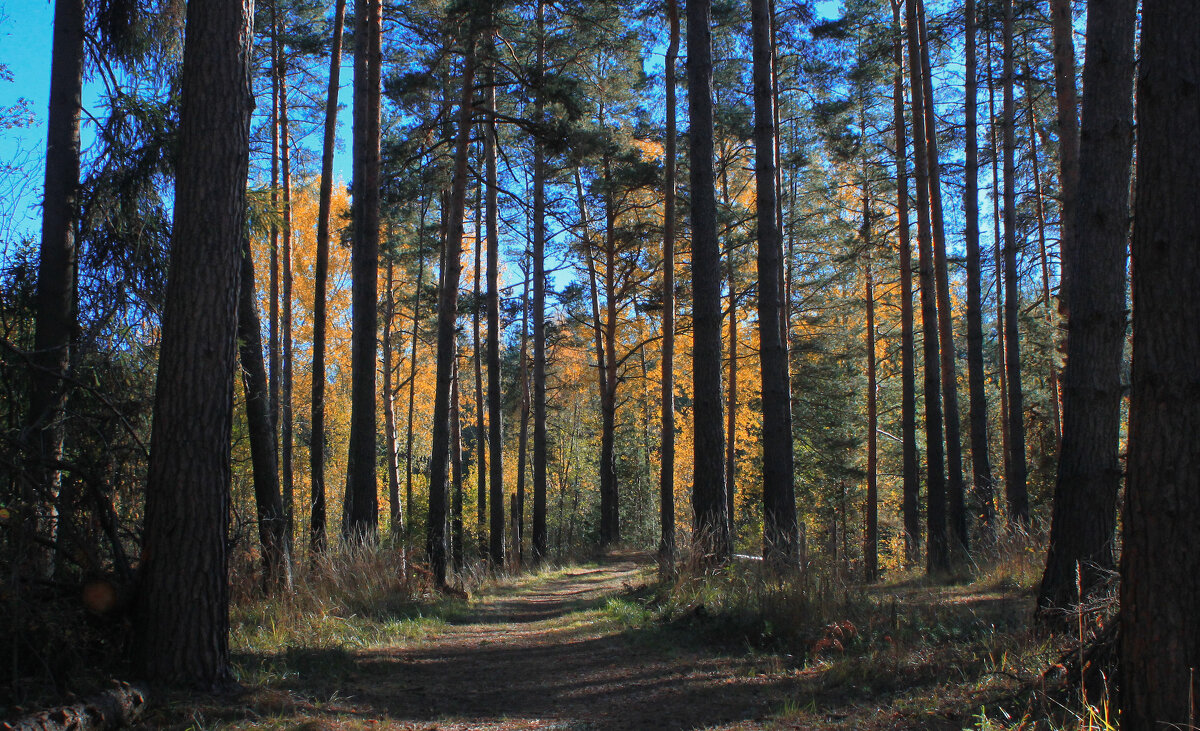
[(539, 655)]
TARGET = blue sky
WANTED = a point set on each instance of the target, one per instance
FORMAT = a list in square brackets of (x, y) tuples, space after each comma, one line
[(25, 49), (25, 29)]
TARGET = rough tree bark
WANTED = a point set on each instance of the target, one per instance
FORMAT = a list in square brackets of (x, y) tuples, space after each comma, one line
[(183, 604), (54, 302), (710, 522), (362, 504), (1083, 525), (780, 533), (1160, 567)]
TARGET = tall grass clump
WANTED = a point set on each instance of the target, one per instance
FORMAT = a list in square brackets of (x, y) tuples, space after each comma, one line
[(356, 594)]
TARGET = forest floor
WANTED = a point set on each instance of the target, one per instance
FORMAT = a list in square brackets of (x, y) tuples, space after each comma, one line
[(575, 648)]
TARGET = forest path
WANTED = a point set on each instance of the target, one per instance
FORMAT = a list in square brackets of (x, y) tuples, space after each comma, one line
[(576, 649), (543, 653)]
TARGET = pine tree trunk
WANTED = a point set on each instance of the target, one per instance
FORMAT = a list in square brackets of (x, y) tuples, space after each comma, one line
[(731, 401), (600, 331), (1160, 567), (610, 515), (1063, 24), (955, 491), (447, 320), (1083, 526), (395, 511), (871, 531), (412, 373), (457, 552), (518, 505), (54, 301), (910, 495), (937, 548), (285, 330), (981, 463), (495, 413), (317, 527), (183, 602), (268, 501), (998, 263), (780, 536), (481, 446), (539, 303), (362, 507), (1040, 209), (666, 546), (273, 291), (710, 522), (1018, 500)]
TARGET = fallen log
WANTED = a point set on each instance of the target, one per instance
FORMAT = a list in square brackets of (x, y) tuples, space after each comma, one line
[(116, 707)]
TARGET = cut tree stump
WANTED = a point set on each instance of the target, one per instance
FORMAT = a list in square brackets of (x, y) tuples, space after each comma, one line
[(114, 708)]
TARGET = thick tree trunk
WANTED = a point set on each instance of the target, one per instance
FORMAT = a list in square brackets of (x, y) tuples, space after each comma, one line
[(780, 535), (317, 527), (1018, 500), (495, 406), (1160, 567), (183, 604), (710, 522), (937, 550), (666, 546), (1083, 526), (910, 494), (362, 504), (981, 463), (55, 299), (272, 521), (447, 321), (539, 303)]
